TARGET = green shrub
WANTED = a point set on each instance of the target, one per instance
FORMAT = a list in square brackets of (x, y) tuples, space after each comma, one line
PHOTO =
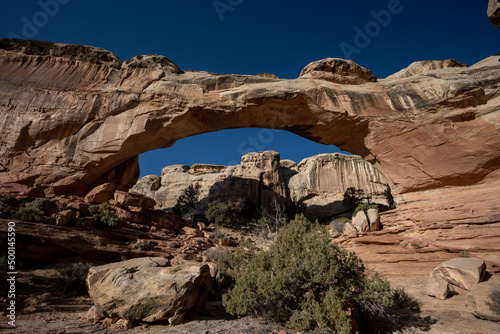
[(105, 215), (464, 253), (29, 214), (144, 245), (495, 304), (218, 212), (71, 280), (305, 281), (46, 205), (365, 207)]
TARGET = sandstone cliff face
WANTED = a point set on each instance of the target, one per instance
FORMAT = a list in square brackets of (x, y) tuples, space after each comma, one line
[(319, 181), (75, 117)]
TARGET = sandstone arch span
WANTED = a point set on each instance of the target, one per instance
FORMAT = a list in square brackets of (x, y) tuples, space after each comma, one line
[(75, 116)]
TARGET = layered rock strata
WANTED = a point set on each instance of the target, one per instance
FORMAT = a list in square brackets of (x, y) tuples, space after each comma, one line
[(77, 116)]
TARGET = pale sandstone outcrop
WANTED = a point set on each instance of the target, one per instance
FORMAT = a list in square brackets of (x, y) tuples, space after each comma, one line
[(319, 181), (257, 179)]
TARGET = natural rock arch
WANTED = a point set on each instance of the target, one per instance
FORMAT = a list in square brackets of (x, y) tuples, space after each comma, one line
[(76, 116)]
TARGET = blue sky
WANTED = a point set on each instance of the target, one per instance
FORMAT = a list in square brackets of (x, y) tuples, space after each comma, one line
[(255, 36)]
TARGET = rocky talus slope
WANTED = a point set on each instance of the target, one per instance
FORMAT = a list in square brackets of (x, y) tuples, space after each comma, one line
[(319, 182)]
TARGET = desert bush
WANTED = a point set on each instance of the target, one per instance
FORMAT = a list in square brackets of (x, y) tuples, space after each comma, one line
[(403, 300), (364, 207), (218, 212), (47, 205), (71, 280), (338, 224), (464, 253), (144, 245), (495, 301), (304, 280), (105, 215), (29, 214)]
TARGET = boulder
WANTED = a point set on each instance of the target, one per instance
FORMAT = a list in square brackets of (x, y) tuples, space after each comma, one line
[(479, 299), (134, 199), (338, 70), (349, 229), (101, 194), (437, 286), (149, 289), (194, 232), (494, 12), (360, 222), (463, 272), (374, 219), (65, 217)]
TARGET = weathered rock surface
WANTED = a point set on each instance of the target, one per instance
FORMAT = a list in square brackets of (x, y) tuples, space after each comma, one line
[(319, 181), (338, 70), (437, 286), (462, 272), (77, 117), (374, 219), (148, 289), (479, 299), (494, 12), (360, 222), (426, 67)]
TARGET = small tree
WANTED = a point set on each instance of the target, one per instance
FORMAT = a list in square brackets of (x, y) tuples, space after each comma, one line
[(189, 196), (271, 222), (352, 198), (389, 197)]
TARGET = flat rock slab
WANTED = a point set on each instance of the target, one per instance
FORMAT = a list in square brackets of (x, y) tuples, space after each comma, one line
[(479, 299), (149, 289), (462, 272)]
